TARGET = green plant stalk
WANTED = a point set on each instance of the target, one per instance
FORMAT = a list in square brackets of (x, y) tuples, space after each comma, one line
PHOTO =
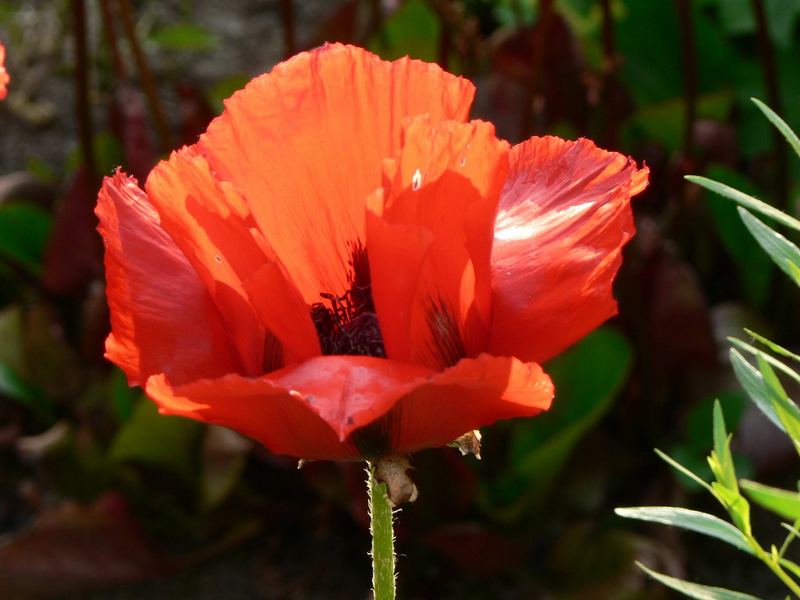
[(789, 538), (774, 566), (381, 527)]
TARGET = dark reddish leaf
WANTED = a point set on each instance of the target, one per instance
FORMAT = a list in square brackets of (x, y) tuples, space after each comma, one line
[(75, 548), (667, 307), (341, 25), (74, 253), (475, 550), (195, 112), (128, 121), (546, 61), (717, 141)]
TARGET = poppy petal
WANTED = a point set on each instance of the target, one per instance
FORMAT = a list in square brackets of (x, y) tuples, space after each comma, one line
[(304, 145), (162, 318), (335, 407), (474, 393), (433, 296), (211, 223), (306, 410), (564, 216), (281, 421)]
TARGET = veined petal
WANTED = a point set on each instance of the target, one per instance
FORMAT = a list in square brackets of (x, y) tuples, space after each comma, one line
[(162, 318), (306, 410), (213, 226), (472, 394), (563, 218), (348, 407), (429, 239), (278, 419), (304, 145)]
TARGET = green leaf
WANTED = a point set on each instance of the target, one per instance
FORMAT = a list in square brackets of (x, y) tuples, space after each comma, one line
[(162, 441), (779, 124), (24, 230), (755, 268), (692, 450), (783, 252), (123, 396), (683, 470), (107, 150), (223, 461), (791, 566), (184, 36), (722, 450), (663, 121), (772, 345), (736, 505), (787, 411), (650, 69), (745, 200), (587, 377), (782, 502), (784, 368), (690, 520), (224, 89), (753, 383), (413, 30), (737, 17), (695, 590), (26, 394), (795, 272)]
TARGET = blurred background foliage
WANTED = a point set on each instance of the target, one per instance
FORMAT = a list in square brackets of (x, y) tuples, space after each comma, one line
[(100, 497)]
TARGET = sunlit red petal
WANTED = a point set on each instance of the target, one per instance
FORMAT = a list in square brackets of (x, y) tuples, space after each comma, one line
[(304, 145), (429, 240), (329, 407), (4, 77), (564, 216), (472, 394), (162, 319), (283, 422), (306, 410), (213, 227)]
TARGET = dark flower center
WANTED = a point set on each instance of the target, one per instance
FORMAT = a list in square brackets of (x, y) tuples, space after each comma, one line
[(347, 324)]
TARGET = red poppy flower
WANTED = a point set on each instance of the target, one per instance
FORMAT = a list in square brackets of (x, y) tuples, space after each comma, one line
[(4, 77), (343, 267)]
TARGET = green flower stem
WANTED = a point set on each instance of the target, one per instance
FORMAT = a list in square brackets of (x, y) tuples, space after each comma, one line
[(381, 527)]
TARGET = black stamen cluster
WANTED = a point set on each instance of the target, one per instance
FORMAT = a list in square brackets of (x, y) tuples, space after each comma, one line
[(348, 324)]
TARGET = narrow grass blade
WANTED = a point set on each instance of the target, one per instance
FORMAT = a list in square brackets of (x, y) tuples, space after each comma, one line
[(783, 252), (780, 124), (745, 200), (782, 367), (695, 590)]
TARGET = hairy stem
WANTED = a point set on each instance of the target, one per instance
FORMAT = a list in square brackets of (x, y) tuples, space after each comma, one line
[(382, 529)]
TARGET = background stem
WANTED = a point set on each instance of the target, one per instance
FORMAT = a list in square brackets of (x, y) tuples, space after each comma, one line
[(381, 528), (146, 75), (83, 110)]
